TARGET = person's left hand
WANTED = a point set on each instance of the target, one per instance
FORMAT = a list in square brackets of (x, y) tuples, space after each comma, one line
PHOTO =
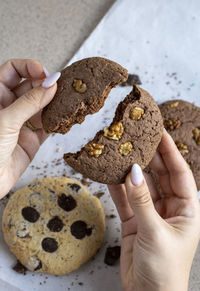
[(21, 100)]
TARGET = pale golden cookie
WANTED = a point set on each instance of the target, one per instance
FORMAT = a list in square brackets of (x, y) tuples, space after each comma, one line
[(53, 225)]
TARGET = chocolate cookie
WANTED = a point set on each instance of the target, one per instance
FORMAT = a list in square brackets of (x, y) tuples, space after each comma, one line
[(182, 121), (82, 89), (53, 225), (132, 137)]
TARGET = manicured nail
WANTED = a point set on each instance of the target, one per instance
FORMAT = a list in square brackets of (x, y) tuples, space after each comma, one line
[(45, 71), (136, 175), (50, 80)]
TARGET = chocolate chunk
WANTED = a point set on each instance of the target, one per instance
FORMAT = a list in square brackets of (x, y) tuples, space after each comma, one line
[(75, 187), (112, 255), (30, 214), (39, 266), (79, 229), (49, 244), (55, 224), (67, 203), (19, 268), (133, 79)]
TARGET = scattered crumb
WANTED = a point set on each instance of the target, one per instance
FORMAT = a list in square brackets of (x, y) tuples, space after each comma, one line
[(98, 194), (80, 283), (111, 216), (72, 172), (58, 150), (85, 182), (132, 80)]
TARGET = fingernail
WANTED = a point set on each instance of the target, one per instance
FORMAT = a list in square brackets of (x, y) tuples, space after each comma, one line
[(136, 175), (45, 71), (50, 80)]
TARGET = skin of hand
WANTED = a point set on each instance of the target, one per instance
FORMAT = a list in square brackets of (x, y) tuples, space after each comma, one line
[(159, 234), (23, 93)]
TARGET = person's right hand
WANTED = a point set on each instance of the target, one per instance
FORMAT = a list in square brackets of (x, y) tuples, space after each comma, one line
[(159, 234)]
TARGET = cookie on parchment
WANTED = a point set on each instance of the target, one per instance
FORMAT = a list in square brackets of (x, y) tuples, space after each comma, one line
[(53, 225), (132, 137), (82, 89), (182, 121)]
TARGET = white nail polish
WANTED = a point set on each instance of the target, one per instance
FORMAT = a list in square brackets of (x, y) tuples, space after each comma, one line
[(50, 80), (136, 175), (45, 71)]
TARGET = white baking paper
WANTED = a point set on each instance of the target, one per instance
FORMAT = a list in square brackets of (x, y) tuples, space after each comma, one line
[(158, 40)]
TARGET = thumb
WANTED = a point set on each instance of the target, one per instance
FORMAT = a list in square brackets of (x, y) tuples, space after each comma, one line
[(31, 102), (140, 199)]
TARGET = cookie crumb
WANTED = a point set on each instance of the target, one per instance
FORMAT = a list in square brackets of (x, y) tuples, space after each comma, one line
[(59, 150), (85, 182), (133, 79), (80, 283), (98, 194)]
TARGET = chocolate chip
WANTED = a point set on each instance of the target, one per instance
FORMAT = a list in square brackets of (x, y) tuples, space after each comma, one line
[(75, 187), (19, 268), (79, 229), (39, 266), (112, 255), (55, 224), (67, 203), (49, 244), (30, 214)]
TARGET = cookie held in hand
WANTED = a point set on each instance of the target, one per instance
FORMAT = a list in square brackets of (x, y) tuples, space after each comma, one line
[(132, 137), (182, 121), (82, 89), (53, 225)]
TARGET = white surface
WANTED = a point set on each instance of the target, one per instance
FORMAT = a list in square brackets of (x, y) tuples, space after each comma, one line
[(154, 39)]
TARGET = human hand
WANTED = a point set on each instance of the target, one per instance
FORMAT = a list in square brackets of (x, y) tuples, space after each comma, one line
[(159, 234), (21, 100)]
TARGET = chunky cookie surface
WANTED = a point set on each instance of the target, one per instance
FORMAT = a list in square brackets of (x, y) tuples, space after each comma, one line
[(132, 137), (82, 89), (182, 121), (53, 225)]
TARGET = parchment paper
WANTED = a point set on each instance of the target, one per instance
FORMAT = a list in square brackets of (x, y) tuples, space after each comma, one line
[(160, 41)]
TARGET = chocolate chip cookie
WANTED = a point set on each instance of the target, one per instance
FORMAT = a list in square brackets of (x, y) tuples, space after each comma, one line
[(82, 89), (182, 121), (53, 225), (132, 137)]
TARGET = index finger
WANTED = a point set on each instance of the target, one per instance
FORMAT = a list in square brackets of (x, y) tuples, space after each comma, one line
[(13, 71), (181, 178)]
